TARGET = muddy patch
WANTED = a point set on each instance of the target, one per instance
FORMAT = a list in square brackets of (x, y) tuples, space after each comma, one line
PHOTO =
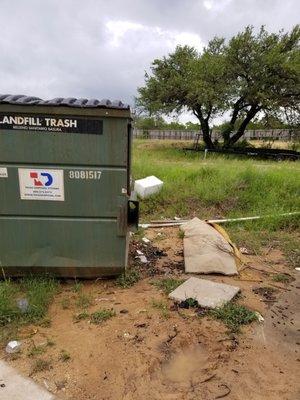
[(185, 365), (267, 294)]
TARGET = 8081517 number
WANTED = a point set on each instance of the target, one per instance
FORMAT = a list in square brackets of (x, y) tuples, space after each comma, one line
[(84, 174)]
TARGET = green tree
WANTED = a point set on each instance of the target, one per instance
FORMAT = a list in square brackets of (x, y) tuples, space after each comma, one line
[(252, 74)]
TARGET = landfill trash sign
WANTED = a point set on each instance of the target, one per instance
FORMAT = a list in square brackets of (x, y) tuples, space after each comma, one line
[(41, 184)]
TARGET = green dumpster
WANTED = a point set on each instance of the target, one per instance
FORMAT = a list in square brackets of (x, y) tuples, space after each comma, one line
[(65, 203)]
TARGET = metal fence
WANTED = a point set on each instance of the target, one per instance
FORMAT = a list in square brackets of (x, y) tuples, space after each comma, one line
[(272, 134)]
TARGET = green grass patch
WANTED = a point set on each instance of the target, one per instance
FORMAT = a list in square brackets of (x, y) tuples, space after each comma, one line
[(139, 234), (9, 311), (39, 292), (223, 187), (181, 234), (128, 279), (40, 365), (284, 278), (50, 343), (81, 316), (65, 303), (45, 323), (102, 315), (162, 307), (84, 300), (37, 350), (77, 287), (234, 316), (218, 186), (167, 285), (64, 356)]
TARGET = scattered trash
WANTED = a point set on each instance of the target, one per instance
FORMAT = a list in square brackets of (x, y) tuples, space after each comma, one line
[(297, 268), (267, 293), (143, 259), (146, 255), (141, 325), (128, 336), (105, 299), (23, 305), (207, 293), (260, 318), (141, 256), (142, 311), (208, 249), (146, 240), (202, 311), (13, 347), (244, 250), (177, 218), (147, 186), (173, 335)]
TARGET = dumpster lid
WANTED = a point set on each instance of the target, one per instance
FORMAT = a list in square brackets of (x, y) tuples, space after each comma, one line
[(22, 100)]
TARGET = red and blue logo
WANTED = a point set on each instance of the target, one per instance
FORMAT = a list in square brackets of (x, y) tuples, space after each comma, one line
[(41, 179)]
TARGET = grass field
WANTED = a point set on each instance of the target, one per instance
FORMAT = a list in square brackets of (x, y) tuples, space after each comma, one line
[(221, 186)]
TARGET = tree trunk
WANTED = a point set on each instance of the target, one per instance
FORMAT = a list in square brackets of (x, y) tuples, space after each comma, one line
[(241, 130), (206, 135), (238, 106), (205, 129)]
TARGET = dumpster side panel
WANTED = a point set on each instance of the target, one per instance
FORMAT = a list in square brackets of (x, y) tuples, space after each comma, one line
[(87, 191), (63, 196), (61, 244), (106, 149)]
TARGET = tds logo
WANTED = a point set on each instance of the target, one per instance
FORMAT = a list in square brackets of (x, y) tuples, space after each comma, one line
[(41, 179), (41, 184)]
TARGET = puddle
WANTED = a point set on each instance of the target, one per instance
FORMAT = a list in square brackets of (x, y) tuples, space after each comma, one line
[(183, 365)]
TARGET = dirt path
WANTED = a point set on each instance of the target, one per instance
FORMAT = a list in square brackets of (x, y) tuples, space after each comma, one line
[(157, 352)]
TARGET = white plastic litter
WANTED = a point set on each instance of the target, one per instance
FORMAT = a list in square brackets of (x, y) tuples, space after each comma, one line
[(23, 305), (13, 347), (139, 252), (146, 240), (143, 259), (147, 186), (244, 250), (128, 336), (259, 317), (297, 268)]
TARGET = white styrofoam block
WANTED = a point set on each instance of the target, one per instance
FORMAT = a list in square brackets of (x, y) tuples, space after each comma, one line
[(13, 347), (147, 186)]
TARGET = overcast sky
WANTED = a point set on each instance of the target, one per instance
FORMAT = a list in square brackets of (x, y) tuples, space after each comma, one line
[(101, 48)]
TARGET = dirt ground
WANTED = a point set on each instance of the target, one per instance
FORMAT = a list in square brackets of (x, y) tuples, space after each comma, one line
[(144, 353)]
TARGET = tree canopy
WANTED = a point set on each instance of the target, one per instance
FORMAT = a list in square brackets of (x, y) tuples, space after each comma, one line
[(252, 74)]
